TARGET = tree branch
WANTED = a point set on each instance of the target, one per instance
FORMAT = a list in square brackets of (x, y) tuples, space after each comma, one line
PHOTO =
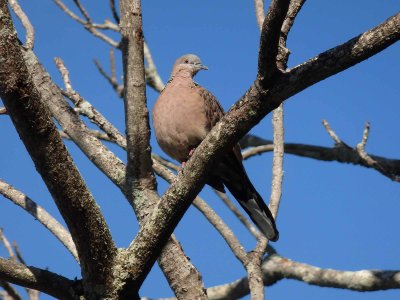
[(40, 136), (276, 267), (340, 152), (30, 31), (10, 292), (38, 279), (269, 41), (139, 167), (342, 57), (40, 214), (259, 11)]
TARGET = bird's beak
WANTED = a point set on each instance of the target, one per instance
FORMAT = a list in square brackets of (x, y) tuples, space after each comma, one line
[(203, 67)]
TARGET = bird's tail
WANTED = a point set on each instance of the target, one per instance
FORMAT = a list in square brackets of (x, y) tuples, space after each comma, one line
[(256, 208), (236, 180)]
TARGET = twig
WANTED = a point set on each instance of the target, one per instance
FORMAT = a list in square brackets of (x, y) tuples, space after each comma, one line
[(39, 214), (96, 133), (360, 148), (332, 134), (7, 245), (112, 64), (9, 293), (111, 79), (114, 10), (18, 253), (91, 27), (277, 163), (33, 294), (260, 13), (152, 77), (87, 109), (258, 150), (283, 53), (30, 31), (83, 11)]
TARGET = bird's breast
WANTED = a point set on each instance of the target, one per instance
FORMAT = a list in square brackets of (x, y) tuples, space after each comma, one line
[(179, 121)]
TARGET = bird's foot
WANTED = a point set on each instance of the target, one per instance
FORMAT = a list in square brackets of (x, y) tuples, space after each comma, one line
[(191, 152)]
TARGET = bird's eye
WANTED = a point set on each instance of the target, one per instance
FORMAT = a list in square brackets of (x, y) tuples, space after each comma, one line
[(186, 61)]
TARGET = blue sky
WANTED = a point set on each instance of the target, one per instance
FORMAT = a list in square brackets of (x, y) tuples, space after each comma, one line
[(332, 215)]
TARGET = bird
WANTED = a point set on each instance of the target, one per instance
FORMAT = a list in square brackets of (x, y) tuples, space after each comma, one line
[(183, 114)]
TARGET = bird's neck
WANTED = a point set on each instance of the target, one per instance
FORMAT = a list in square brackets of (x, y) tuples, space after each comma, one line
[(185, 74)]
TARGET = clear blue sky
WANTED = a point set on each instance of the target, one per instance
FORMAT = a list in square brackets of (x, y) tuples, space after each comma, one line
[(332, 215)]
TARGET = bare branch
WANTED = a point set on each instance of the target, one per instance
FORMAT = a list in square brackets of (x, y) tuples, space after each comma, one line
[(83, 11), (277, 163), (257, 150), (152, 77), (139, 173), (38, 279), (260, 14), (276, 267), (342, 154), (283, 51), (112, 64), (254, 266), (33, 294), (87, 109), (342, 57), (30, 31), (69, 12), (114, 10), (294, 8), (269, 41), (88, 25), (331, 133), (96, 133), (7, 245), (119, 88), (10, 292), (39, 214), (368, 160)]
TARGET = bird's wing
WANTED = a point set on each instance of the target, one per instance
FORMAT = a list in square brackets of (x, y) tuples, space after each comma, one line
[(213, 109)]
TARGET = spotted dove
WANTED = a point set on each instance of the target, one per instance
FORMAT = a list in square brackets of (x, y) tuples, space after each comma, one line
[(182, 116)]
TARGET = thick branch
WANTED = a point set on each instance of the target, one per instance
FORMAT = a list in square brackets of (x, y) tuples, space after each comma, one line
[(139, 167), (38, 279), (52, 160)]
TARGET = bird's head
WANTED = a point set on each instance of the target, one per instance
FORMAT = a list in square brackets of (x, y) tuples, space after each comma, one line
[(189, 64)]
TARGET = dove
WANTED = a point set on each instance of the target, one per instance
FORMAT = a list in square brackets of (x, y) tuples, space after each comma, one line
[(183, 115)]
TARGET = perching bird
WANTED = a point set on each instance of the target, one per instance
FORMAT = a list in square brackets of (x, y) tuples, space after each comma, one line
[(183, 115)]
